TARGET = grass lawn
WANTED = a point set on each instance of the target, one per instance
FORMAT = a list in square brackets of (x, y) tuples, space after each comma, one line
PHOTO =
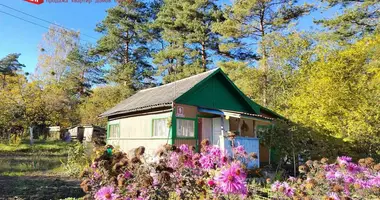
[(35, 172)]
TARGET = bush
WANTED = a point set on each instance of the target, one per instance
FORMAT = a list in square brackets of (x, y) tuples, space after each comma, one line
[(77, 160), (173, 173), (341, 180)]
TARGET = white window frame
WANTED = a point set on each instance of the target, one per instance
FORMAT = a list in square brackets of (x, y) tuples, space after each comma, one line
[(164, 124), (181, 129)]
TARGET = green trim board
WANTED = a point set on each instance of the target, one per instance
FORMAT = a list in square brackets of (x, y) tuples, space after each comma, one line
[(108, 128), (108, 132), (173, 126), (174, 129)]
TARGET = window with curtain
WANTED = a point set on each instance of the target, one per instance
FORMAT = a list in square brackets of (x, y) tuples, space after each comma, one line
[(114, 130), (160, 127), (185, 128)]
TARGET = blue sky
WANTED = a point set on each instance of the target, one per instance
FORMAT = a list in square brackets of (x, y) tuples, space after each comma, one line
[(18, 36)]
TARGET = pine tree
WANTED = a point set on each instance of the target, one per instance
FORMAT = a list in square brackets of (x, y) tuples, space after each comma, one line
[(358, 18), (9, 65), (124, 44), (189, 40), (85, 71), (248, 22)]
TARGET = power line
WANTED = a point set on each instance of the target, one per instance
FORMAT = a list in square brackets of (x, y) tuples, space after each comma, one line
[(34, 23), (42, 26), (24, 20), (49, 22)]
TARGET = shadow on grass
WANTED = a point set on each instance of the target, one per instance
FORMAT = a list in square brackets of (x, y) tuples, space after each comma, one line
[(29, 164), (38, 188)]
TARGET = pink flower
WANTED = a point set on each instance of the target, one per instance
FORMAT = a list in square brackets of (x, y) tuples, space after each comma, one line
[(211, 183), (97, 175), (206, 162), (353, 168), (127, 175), (330, 175), (345, 158), (334, 196), (292, 179), (275, 186), (215, 151), (232, 180), (289, 191), (106, 193), (239, 150), (375, 181), (185, 149), (94, 165), (173, 160)]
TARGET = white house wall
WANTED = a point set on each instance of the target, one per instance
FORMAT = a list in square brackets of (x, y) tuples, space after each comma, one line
[(137, 131)]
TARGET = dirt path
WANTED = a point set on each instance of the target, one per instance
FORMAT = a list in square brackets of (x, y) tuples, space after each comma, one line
[(38, 187)]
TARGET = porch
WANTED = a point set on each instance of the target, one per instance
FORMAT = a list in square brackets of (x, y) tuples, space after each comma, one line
[(215, 125)]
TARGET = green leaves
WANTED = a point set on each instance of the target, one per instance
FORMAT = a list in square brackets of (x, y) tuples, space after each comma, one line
[(124, 44), (358, 19), (10, 64), (189, 43)]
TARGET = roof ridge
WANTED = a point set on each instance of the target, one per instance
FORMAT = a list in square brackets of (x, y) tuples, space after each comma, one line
[(147, 89)]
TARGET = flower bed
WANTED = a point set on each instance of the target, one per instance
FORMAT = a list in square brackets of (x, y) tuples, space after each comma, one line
[(175, 172), (181, 173), (341, 180)]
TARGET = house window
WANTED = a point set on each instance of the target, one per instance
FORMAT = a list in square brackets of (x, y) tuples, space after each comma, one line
[(160, 127), (114, 130), (185, 128)]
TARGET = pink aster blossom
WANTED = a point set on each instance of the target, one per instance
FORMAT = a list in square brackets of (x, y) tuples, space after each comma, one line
[(94, 165), (334, 196), (239, 150), (292, 179), (127, 175), (185, 149), (231, 181), (353, 168), (173, 160), (211, 183), (106, 193), (289, 191), (215, 151), (97, 175), (330, 175), (276, 186), (345, 158), (206, 162)]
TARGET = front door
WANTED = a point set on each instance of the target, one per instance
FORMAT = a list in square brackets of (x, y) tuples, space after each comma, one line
[(205, 129), (217, 129)]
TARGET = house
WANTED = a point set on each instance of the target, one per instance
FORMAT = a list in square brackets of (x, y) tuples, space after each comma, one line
[(87, 133), (204, 106)]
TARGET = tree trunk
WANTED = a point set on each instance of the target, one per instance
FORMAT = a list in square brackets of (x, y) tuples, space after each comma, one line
[(4, 81), (204, 56), (264, 64), (127, 52)]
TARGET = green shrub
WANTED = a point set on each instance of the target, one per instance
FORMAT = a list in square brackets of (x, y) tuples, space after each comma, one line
[(15, 140), (77, 160)]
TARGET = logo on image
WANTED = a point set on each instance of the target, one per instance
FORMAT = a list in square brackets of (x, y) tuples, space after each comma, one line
[(38, 2)]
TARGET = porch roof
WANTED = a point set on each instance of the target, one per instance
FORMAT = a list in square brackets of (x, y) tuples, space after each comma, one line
[(235, 114)]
